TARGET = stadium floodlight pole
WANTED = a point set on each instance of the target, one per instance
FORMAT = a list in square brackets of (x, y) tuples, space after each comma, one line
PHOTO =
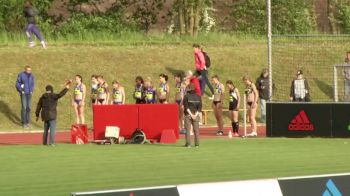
[(269, 45)]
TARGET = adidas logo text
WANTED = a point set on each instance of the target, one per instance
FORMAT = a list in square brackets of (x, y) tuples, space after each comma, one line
[(301, 122)]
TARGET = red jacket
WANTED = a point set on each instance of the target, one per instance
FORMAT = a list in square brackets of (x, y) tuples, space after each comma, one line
[(197, 88), (199, 60)]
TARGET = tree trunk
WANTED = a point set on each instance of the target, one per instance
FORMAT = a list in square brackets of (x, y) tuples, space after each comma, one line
[(192, 19), (182, 17), (197, 17)]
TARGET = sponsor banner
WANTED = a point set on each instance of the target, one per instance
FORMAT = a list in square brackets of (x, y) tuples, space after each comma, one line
[(299, 120), (151, 191), (325, 185), (250, 187), (341, 120)]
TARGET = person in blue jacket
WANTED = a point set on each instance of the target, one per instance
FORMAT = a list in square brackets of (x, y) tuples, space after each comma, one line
[(25, 87)]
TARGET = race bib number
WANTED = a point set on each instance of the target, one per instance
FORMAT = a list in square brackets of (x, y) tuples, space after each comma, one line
[(117, 96), (77, 91), (101, 90), (161, 90), (138, 95), (178, 90), (150, 96)]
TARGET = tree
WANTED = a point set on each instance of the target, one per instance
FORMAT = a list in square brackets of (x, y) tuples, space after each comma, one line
[(188, 13)]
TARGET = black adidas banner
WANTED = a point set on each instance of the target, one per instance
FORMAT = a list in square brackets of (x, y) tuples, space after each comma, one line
[(308, 119)]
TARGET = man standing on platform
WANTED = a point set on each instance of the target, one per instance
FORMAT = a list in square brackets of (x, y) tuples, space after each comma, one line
[(48, 106)]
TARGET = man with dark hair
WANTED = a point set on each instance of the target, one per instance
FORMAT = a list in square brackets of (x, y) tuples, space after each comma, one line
[(48, 106), (25, 86), (202, 69), (299, 90)]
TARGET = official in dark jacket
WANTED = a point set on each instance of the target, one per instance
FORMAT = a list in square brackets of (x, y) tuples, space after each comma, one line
[(192, 107), (48, 106)]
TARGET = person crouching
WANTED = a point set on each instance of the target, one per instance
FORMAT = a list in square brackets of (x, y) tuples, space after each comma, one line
[(48, 106)]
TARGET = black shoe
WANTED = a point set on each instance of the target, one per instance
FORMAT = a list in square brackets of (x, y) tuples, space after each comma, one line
[(188, 146)]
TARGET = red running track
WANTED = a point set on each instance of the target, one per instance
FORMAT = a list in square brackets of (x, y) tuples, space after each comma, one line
[(64, 136)]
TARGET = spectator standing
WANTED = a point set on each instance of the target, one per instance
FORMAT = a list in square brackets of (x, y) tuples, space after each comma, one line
[(192, 107), (25, 86), (30, 12), (346, 74), (299, 90), (202, 69), (47, 105), (263, 84)]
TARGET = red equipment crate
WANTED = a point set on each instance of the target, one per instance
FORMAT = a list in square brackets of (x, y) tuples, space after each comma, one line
[(79, 134)]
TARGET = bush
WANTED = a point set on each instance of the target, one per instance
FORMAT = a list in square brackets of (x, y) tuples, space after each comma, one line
[(288, 17), (343, 17)]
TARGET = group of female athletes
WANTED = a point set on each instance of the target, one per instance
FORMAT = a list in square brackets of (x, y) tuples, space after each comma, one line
[(146, 93)]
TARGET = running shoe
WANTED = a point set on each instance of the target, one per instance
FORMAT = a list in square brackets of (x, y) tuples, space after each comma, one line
[(31, 44), (235, 134), (252, 134), (219, 133), (43, 44)]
